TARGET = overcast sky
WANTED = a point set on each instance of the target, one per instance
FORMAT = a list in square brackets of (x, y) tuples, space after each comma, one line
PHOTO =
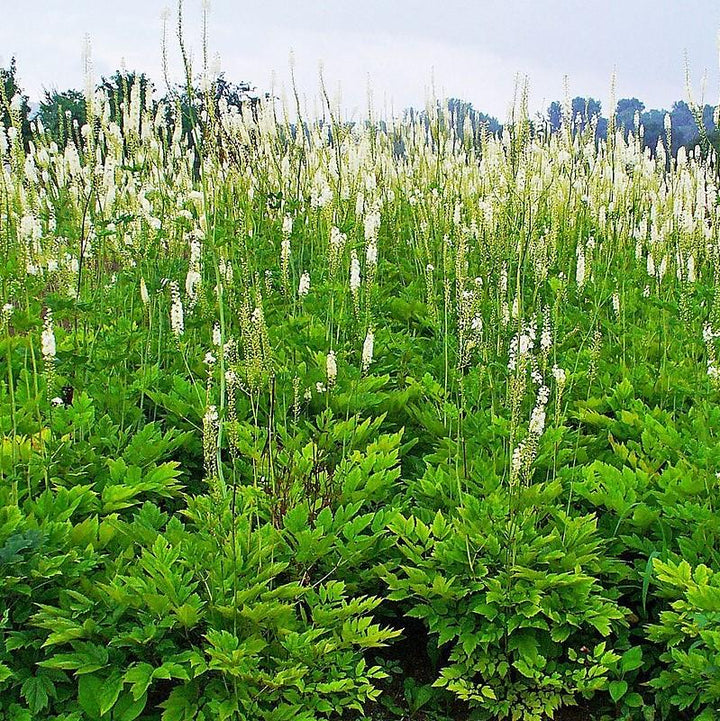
[(471, 50)]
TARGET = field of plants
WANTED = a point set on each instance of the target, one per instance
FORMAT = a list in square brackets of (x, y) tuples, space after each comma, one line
[(379, 420)]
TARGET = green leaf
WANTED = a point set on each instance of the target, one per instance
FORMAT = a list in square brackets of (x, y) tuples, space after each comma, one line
[(647, 575), (526, 643), (180, 705), (171, 670), (115, 498), (89, 691), (87, 658), (140, 676), (35, 690), (21, 714), (296, 520), (111, 689), (631, 659), (439, 525), (128, 708), (188, 615), (617, 689), (5, 672)]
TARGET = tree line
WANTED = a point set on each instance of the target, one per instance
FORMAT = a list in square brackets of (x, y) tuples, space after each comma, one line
[(690, 127), (63, 113)]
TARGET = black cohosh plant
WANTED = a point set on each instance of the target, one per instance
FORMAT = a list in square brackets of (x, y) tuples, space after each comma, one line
[(376, 380)]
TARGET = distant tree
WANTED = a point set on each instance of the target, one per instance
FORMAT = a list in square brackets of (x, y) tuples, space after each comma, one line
[(467, 123), (602, 128), (241, 96), (14, 107), (684, 127), (554, 114), (492, 124), (653, 122), (583, 110), (706, 137), (625, 112), (197, 107), (708, 115), (711, 131), (464, 114), (60, 112), (123, 88), (712, 143)]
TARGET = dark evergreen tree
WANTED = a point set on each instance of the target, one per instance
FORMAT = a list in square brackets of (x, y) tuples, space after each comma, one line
[(14, 102)]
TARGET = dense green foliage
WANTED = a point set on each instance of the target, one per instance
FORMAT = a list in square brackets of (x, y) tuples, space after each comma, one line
[(316, 421)]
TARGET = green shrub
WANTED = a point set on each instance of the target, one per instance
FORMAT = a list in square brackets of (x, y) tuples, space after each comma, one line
[(509, 592), (689, 632)]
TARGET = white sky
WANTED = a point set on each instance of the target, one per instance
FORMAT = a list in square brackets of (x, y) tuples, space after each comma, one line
[(472, 49)]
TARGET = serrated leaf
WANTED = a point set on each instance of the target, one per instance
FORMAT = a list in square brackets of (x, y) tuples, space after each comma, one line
[(171, 670), (180, 705), (111, 689), (188, 615), (296, 520), (35, 690), (140, 676)]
